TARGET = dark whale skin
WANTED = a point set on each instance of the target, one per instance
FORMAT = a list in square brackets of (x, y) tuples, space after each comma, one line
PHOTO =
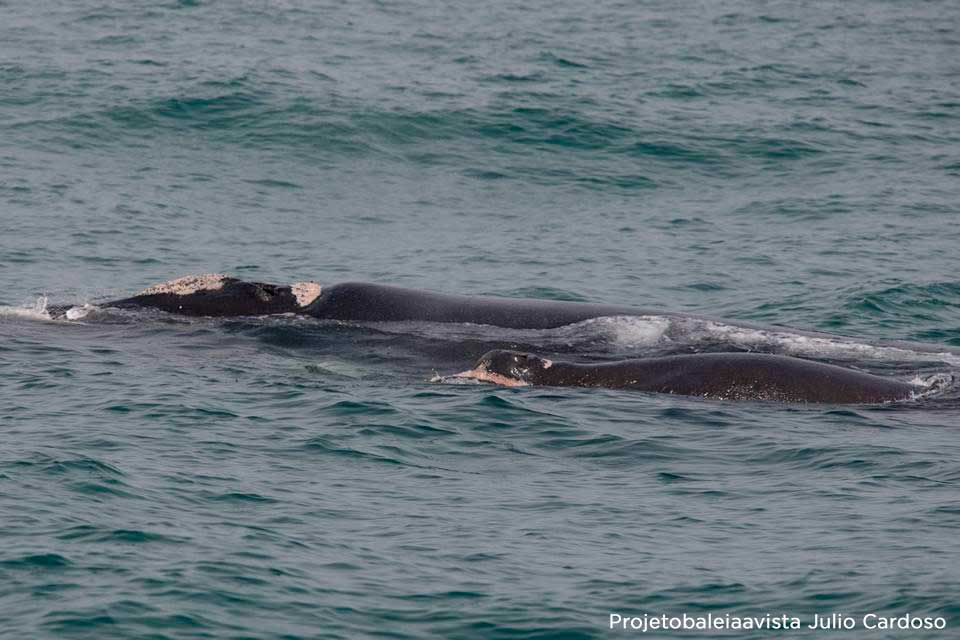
[(727, 376), (234, 298), (363, 302)]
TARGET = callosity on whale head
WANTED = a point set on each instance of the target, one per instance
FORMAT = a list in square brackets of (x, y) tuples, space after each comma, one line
[(514, 364), (216, 295), (509, 368)]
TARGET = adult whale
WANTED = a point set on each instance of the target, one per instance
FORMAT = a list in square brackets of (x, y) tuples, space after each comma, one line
[(360, 301), (725, 376), (218, 295)]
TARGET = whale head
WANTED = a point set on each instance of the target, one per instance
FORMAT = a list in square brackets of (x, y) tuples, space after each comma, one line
[(217, 295), (509, 368)]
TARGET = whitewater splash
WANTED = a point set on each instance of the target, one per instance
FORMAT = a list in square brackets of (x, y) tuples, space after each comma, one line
[(77, 313), (39, 310), (652, 331), (640, 335), (36, 311), (931, 385)]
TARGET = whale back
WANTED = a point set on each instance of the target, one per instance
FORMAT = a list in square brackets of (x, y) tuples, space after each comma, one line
[(727, 376)]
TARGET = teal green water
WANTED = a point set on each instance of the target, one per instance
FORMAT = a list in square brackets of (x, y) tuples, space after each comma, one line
[(776, 162)]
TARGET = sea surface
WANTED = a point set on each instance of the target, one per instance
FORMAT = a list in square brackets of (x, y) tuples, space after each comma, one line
[(782, 163)]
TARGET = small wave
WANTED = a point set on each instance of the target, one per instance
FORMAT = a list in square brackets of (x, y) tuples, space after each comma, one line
[(335, 367), (37, 561), (455, 379)]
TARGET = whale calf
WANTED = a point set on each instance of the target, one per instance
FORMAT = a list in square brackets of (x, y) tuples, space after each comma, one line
[(723, 376)]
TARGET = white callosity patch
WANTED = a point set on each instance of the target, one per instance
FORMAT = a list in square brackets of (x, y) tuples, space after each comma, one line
[(187, 285), (306, 292), (481, 373)]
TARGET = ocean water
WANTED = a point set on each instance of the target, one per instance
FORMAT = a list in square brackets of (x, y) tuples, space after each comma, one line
[(788, 164)]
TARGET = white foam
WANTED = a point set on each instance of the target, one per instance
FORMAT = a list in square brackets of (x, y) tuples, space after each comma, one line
[(803, 345), (931, 384), (630, 331), (481, 374), (638, 332), (77, 313), (649, 331), (625, 331), (455, 379), (38, 311)]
